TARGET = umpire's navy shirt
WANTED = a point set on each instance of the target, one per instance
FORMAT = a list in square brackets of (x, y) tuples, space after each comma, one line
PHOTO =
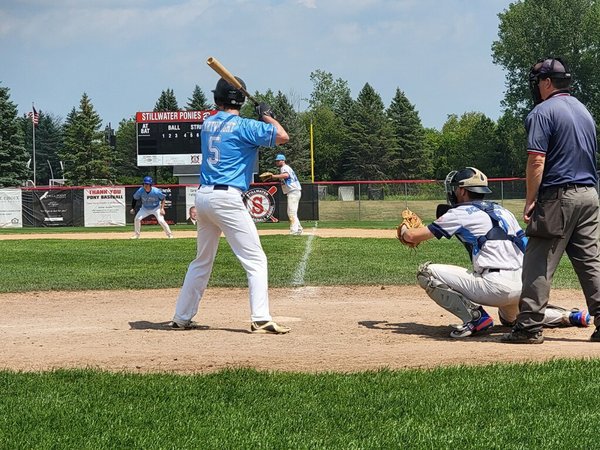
[(563, 130)]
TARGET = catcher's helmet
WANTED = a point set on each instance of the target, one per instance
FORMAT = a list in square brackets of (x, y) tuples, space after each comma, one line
[(226, 94), (148, 180), (554, 68), (469, 178)]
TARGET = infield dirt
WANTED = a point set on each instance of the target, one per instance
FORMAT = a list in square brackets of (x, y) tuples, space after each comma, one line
[(334, 328)]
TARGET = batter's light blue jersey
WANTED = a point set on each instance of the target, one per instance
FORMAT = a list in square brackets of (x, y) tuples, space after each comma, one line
[(230, 148), (150, 200)]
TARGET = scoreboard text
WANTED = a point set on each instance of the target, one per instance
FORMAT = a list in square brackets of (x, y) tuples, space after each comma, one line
[(169, 138)]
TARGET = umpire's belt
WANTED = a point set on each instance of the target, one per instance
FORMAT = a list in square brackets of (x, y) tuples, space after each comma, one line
[(554, 192)]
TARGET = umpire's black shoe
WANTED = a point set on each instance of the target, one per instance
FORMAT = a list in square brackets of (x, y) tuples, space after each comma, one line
[(520, 336), (596, 335)]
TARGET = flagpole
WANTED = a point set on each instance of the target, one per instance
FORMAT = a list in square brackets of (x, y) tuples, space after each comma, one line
[(33, 126)]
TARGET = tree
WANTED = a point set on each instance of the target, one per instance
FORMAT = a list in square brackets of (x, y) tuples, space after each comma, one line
[(330, 110), (88, 158), (511, 157), (48, 142), (13, 155), (369, 139), (167, 101), (533, 29), (408, 158), (126, 149), (198, 101), (467, 141)]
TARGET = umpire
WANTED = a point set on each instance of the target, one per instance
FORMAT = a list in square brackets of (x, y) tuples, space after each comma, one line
[(561, 208)]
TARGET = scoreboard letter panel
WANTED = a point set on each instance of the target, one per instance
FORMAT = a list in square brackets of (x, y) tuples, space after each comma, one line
[(169, 138)]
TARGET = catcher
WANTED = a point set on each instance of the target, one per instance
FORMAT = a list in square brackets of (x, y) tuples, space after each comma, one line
[(495, 242)]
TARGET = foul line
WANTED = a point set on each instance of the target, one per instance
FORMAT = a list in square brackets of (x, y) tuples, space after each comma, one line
[(298, 278)]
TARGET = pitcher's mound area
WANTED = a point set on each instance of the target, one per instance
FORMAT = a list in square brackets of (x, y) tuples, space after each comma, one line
[(339, 328)]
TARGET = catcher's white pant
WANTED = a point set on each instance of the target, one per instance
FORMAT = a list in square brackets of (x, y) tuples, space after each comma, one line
[(498, 289), (224, 211), (293, 200), (145, 212)]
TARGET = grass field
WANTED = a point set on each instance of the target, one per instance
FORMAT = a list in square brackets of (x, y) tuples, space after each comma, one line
[(551, 405)]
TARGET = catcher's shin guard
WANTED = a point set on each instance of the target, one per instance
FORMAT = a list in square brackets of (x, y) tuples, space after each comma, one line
[(446, 297)]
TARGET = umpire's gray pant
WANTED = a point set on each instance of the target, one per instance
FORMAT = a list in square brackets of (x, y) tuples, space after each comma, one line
[(580, 209)]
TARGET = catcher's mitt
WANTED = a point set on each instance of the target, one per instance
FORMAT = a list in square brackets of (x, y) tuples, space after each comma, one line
[(409, 220), (266, 176)]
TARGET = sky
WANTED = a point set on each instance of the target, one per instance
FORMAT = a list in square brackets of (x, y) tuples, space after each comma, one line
[(124, 53)]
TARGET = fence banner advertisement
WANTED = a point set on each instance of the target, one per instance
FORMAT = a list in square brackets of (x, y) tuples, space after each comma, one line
[(10, 208), (104, 206), (53, 208), (190, 201)]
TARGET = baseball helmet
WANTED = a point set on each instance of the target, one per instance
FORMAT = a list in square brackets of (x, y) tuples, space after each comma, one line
[(148, 180), (226, 94), (554, 68), (280, 157), (469, 178)]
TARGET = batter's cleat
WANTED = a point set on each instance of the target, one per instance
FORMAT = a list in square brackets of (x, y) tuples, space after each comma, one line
[(268, 327), (169, 236), (520, 336), (135, 236), (191, 325), (579, 318), (474, 326), (595, 335)]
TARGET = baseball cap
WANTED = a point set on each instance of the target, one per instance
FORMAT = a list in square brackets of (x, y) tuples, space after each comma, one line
[(280, 157)]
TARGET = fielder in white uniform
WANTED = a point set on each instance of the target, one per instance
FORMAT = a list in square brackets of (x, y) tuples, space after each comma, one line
[(292, 188), (229, 153), (496, 243), (153, 203)]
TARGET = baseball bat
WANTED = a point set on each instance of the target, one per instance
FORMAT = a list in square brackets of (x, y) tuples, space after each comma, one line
[(215, 65)]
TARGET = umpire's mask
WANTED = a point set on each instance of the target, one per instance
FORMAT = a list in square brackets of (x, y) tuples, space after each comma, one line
[(554, 68)]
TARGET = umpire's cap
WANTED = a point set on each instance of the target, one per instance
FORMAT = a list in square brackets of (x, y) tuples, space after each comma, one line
[(280, 157)]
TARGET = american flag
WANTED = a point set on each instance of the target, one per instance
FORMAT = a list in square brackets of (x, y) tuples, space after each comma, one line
[(34, 116)]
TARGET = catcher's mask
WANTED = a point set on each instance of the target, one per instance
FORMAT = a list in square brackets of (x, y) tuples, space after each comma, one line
[(469, 178), (554, 68), (227, 94)]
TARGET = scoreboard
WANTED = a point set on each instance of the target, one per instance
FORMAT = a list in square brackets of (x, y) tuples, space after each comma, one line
[(169, 138)]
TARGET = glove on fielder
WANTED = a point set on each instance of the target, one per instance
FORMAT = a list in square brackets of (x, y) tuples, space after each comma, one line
[(409, 220), (263, 109), (266, 176)]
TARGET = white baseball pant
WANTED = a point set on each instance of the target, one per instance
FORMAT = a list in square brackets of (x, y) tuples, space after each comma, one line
[(143, 213), (498, 289), (293, 200), (224, 211)]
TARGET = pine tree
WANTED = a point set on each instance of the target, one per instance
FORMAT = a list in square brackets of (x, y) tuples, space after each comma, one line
[(13, 155), (369, 139), (88, 158), (198, 101), (166, 101), (48, 142), (408, 159)]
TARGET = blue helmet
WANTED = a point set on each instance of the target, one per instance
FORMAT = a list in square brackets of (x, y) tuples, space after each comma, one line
[(280, 157), (148, 180)]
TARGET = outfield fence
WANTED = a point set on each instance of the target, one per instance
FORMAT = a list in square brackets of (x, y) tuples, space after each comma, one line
[(385, 200)]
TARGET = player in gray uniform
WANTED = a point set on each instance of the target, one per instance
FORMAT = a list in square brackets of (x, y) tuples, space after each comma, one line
[(229, 152), (495, 242), (153, 203)]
